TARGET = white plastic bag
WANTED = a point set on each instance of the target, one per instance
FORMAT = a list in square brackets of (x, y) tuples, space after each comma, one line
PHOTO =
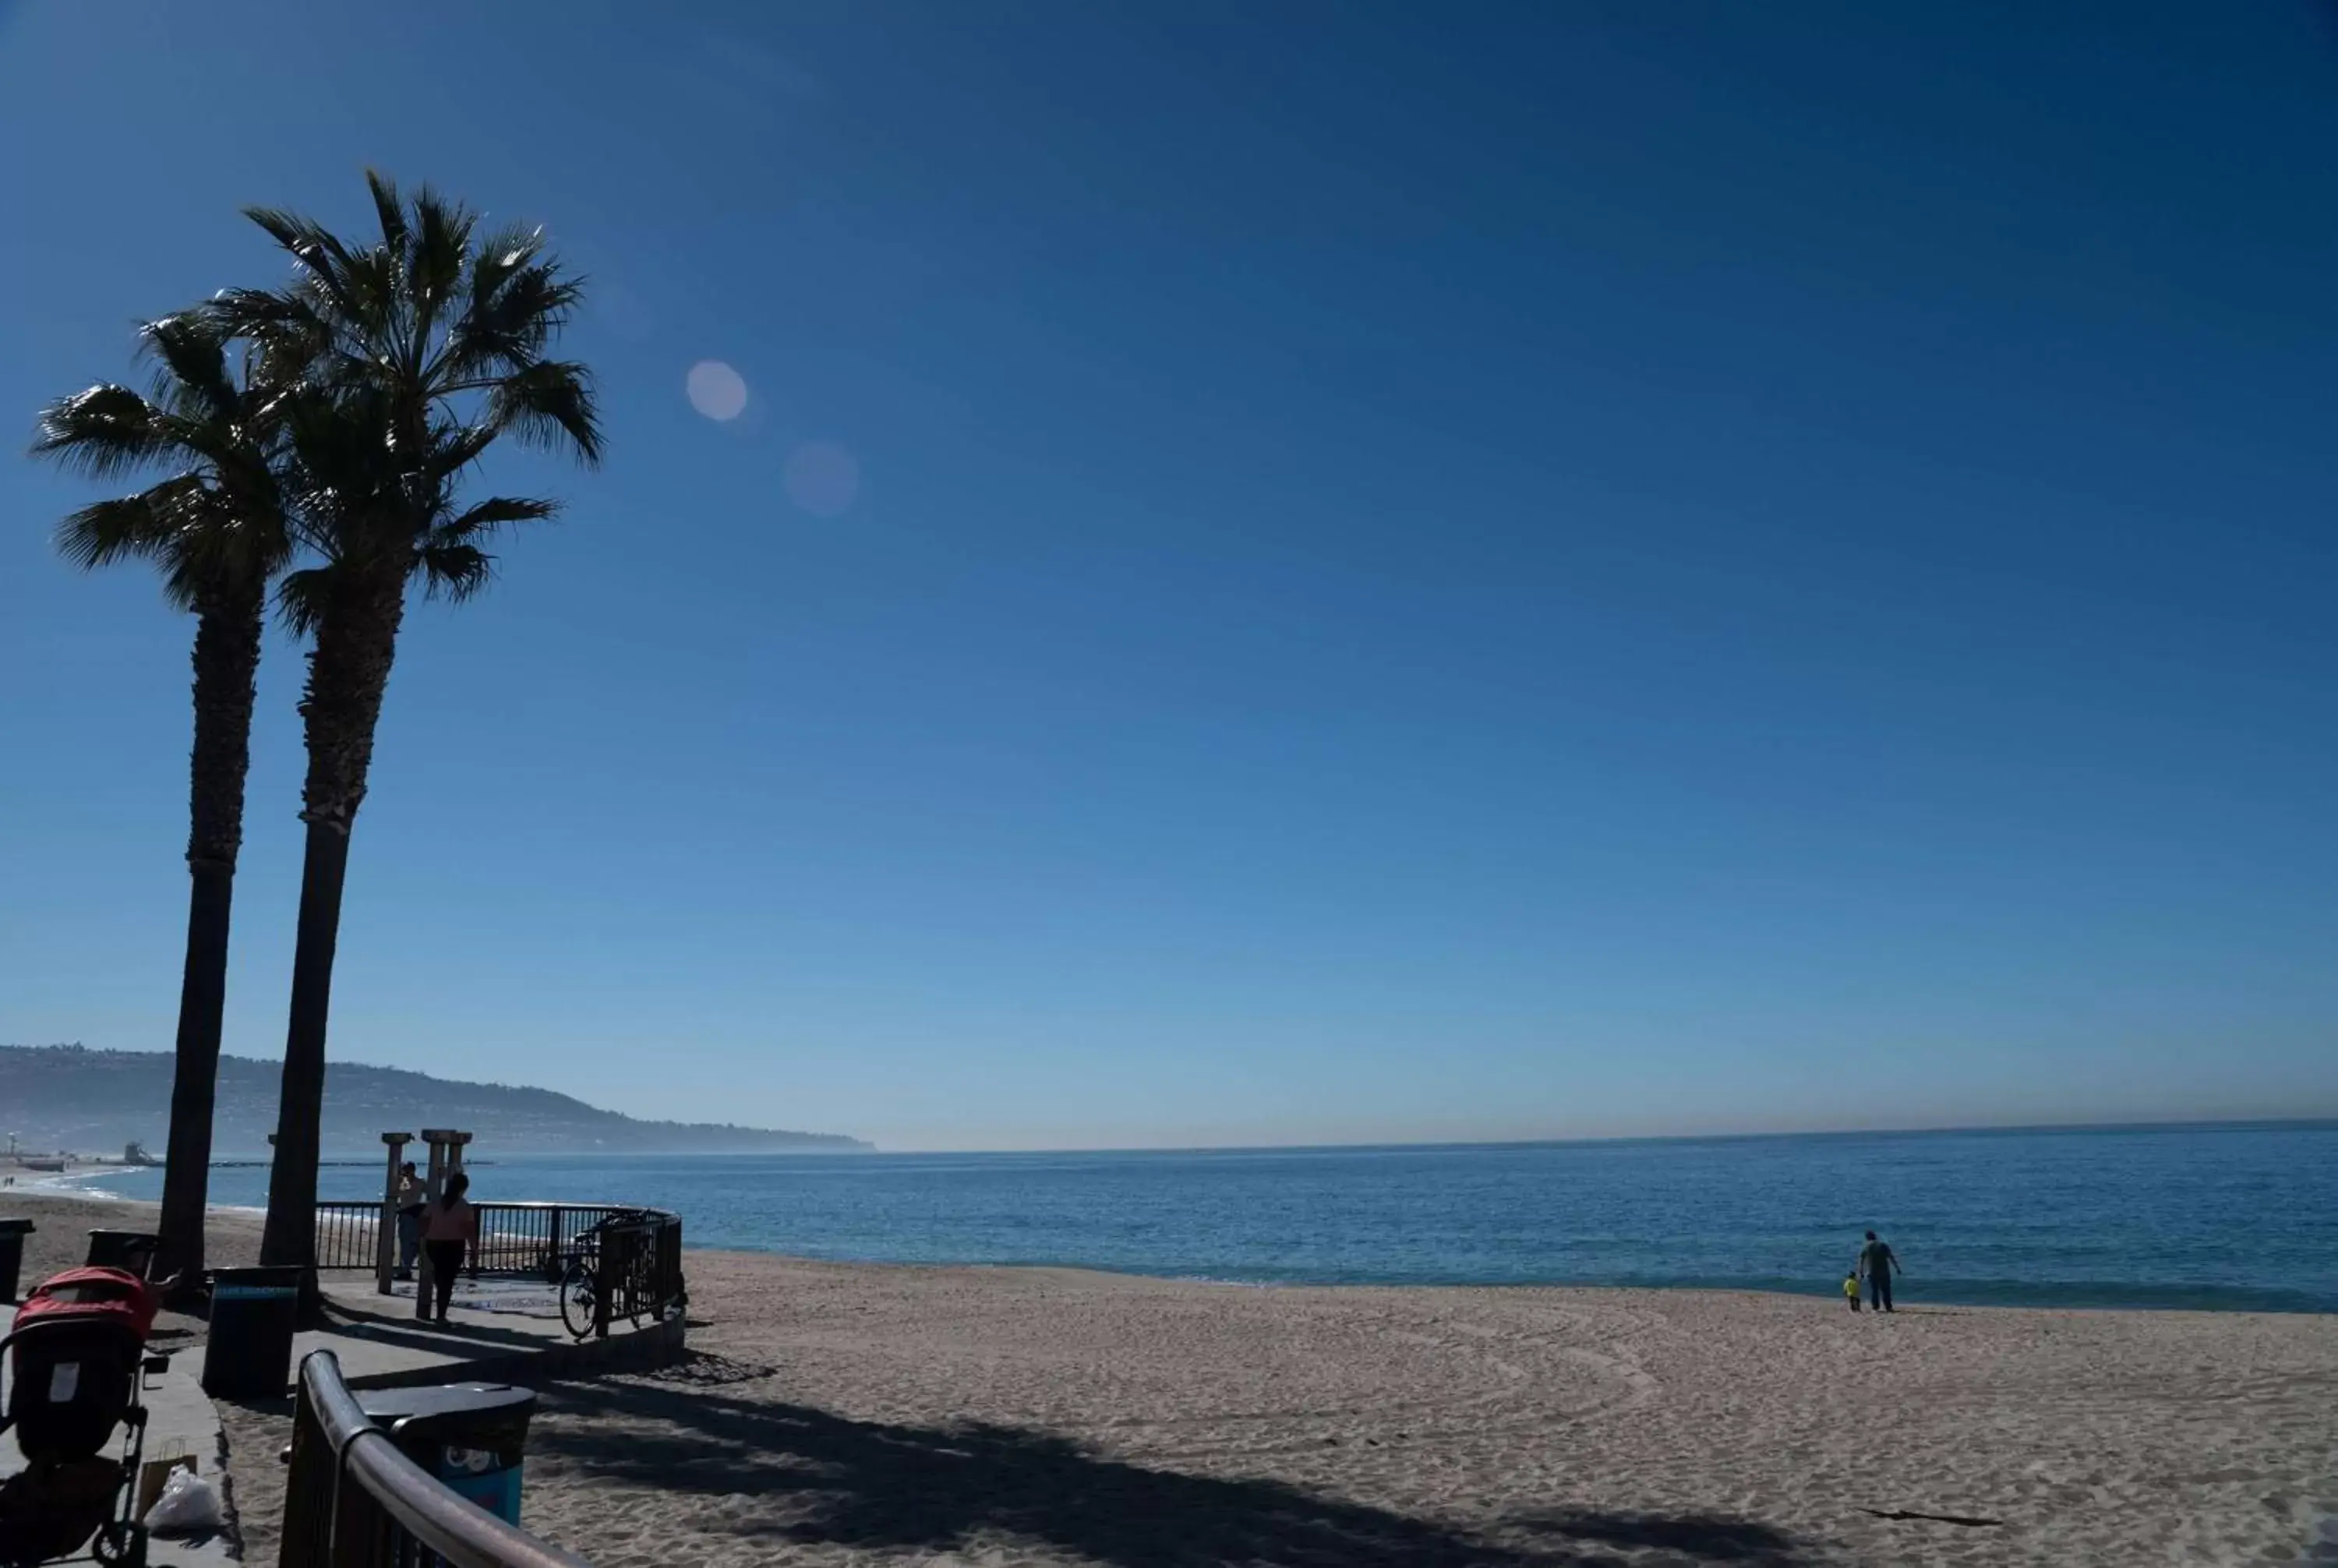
[(188, 1504)]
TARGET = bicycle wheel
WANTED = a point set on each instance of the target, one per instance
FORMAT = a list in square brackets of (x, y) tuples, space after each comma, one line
[(578, 1295)]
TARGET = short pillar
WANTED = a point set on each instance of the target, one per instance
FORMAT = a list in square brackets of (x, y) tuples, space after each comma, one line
[(385, 1240)]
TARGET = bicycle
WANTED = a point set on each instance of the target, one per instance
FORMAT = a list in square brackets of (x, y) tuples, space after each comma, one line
[(636, 1290)]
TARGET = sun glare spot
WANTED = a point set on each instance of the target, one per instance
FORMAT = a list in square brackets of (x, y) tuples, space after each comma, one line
[(717, 391), (822, 478)]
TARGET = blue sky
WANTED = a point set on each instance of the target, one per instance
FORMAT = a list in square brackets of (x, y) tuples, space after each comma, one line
[(1298, 573)]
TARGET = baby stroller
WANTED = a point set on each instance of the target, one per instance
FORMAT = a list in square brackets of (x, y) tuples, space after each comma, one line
[(73, 1369)]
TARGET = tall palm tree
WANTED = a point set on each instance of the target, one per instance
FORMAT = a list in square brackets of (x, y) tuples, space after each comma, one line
[(423, 347), (215, 525)]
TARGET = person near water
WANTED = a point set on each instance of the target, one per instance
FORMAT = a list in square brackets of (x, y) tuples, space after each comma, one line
[(1851, 1288), (447, 1225), (411, 1196), (1876, 1262)]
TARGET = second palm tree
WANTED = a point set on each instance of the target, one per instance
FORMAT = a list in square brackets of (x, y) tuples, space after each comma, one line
[(420, 350)]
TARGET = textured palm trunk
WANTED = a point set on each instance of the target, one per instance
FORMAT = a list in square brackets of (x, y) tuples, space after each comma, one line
[(348, 669), (226, 665)]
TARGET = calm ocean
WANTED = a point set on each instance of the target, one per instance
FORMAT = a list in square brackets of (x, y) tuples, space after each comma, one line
[(2204, 1217)]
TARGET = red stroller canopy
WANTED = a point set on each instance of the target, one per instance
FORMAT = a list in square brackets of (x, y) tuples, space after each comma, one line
[(89, 1296)]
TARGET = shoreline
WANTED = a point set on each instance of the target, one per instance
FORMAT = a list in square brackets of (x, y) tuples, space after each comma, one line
[(1911, 1306), (71, 1188)]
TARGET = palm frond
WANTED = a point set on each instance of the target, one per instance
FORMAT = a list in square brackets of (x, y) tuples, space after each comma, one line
[(455, 572), (501, 254), (442, 241), (325, 265), (483, 519), (549, 405), (387, 207), (105, 432), (174, 525), (191, 357), (305, 597), (506, 328), (106, 533)]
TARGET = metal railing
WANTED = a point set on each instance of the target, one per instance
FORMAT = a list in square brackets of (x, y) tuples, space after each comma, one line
[(352, 1500), (345, 1234), (637, 1269)]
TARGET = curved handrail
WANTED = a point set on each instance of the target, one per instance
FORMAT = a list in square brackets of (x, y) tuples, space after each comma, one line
[(457, 1529)]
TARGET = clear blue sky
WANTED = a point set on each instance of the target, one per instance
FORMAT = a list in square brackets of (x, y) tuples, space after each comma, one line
[(1287, 573)]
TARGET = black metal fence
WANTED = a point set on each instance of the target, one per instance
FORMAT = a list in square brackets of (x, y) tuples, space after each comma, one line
[(637, 1269), (351, 1500), (345, 1233), (636, 1253)]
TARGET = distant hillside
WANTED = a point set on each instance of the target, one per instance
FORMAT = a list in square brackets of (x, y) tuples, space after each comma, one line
[(94, 1102)]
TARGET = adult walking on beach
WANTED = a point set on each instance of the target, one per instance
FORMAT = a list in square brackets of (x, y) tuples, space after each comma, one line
[(1876, 1262), (447, 1225)]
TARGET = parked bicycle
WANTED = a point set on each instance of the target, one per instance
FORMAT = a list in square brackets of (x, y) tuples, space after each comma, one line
[(633, 1288)]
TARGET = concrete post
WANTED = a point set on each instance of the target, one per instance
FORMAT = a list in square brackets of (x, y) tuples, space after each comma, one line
[(385, 1241), (433, 1178)]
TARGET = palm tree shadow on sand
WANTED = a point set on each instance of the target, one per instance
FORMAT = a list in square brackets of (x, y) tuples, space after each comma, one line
[(816, 1478)]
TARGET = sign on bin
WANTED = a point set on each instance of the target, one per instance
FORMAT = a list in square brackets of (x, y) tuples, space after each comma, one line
[(481, 1475)]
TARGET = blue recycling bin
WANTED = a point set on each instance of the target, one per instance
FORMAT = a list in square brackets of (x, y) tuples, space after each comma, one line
[(254, 1314), (473, 1436)]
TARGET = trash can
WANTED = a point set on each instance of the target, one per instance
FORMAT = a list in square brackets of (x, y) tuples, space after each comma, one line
[(249, 1352), (473, 1436), (12, 1254), (130, 1249)]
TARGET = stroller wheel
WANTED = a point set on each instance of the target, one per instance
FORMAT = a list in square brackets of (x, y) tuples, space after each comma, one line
[(121, 1546)]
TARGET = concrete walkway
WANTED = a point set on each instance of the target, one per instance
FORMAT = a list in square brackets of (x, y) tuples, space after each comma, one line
[(497, 1332), (179, 1421)]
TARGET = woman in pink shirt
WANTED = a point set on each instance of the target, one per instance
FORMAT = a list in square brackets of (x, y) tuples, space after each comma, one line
[(447, 1226)]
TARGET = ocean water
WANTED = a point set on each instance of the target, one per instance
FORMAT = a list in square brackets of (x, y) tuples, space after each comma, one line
[(2214, 1217)]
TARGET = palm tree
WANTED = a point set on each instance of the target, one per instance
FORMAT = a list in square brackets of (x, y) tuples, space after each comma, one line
[(423, 348), (216, 527)]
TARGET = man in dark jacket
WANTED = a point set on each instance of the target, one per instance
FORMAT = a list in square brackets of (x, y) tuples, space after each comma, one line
[(1876, 1262)]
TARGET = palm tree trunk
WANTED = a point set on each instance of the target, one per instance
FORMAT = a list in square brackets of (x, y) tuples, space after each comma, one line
[(348, 669), (202, 1001), (226, 664), (289, 1234)]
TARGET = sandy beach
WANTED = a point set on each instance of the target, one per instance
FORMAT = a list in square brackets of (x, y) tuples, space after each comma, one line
[(845, 1414), (63, 1219), (852, 1414)]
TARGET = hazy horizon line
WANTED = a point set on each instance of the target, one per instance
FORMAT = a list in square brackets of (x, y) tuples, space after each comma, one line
[(2146, 1124)]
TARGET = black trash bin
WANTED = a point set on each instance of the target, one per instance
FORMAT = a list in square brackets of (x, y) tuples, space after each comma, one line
[(473, 1436), (249, 1352), (12, 1254), (130, 1249)]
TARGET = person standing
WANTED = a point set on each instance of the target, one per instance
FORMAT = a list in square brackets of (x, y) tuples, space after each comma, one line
[(411, 1198), (1876, 1262), (447, 1227)]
